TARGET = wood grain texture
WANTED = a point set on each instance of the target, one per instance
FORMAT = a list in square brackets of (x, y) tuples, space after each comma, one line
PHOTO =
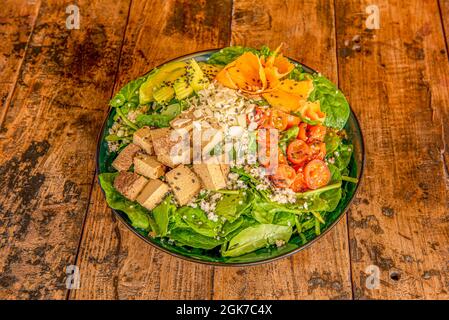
[(397, 79), (114, 263), (321, 271), (444, 12), (48, 144), (17, 20)]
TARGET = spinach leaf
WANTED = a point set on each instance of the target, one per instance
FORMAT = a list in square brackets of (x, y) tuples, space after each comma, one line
[(196, 219), (332, 141), (298, 74), (256, 237), (153, 120), (229, 54), (231, 206), (188, 237), (332, 102), (162, 214), (263, 254), (335, 173), (129, 95), (138, 215), (332, 198), (343, 156), (172, 110), (284, 219)]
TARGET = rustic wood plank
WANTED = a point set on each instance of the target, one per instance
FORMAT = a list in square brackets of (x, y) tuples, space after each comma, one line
[(397, 79), (321, 271), (17, 20), (444, 12), (114, 263), (48, 144)]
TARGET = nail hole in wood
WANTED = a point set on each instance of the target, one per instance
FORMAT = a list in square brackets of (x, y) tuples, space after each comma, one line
[(395, 276)]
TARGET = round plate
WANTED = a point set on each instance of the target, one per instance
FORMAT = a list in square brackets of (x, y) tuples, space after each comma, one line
[(104, 159)]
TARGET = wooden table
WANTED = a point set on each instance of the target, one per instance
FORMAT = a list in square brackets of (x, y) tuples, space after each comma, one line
[(55, 84)]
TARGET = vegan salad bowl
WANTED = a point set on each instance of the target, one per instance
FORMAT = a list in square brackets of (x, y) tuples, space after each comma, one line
[(230, 157)]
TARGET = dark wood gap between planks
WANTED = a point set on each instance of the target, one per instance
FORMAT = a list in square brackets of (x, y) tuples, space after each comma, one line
[(351, 277)]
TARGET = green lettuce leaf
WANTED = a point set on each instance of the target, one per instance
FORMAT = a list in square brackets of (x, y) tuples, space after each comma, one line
[(138, 215), (332, 102), (162, 214), (229, 54), (256, 237)]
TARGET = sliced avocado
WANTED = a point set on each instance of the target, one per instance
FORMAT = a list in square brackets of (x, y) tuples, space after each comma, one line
[(182, 88), (196, 76), (164, 94), (156, 79), (210, 70), (173, 76)]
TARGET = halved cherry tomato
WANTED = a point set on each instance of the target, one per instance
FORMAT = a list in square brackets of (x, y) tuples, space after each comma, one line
[(284, 176), (317, 132), (298, 167), (281, 157), (316, 174), (292, 121), (279, 120), (299, 184), (317, 150), (264, 157), (302, 134), (298, 152)]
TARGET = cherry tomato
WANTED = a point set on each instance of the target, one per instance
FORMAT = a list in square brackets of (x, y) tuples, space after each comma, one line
[(281, 157), (284, 176), (317, 132), (299, 184), (316, 174), (302, 134), (292, 121), (264, 157), (317, 150), (298, 167), (279, 120), (298, 152)]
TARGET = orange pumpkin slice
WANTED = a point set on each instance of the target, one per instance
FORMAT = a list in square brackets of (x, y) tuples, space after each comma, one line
[(245, 73), (254, 75), (300, 88), (282, 66), (282, 100), (225, 79)]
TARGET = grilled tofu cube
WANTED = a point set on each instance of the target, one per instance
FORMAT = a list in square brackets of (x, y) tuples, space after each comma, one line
[(148, 166), (125, 158), (225, 168), (170, 147), (129, 184), (211, 175), (182, 122), (153, 193), (184, 184), (142, 138)]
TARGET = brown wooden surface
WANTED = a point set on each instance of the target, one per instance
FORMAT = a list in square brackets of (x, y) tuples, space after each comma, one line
[(54, 88)]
